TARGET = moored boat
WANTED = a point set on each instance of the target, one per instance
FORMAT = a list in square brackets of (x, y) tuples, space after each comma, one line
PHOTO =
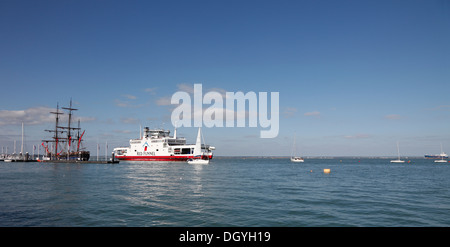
[(440, 161), (293, 157), (297, 159), (398, 160), (440, 156), (436, 156), (66, 143), (158, 145)]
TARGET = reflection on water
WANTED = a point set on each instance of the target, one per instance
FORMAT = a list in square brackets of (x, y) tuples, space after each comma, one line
[(158, 189)]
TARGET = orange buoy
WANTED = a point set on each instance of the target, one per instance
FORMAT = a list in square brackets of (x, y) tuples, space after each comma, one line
[(326, 170)]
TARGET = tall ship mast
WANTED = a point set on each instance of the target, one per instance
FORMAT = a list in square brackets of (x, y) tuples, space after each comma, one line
[(66, 143)]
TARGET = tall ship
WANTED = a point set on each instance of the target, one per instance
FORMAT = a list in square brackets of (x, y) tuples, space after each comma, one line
[(158, 145), (66, 142)]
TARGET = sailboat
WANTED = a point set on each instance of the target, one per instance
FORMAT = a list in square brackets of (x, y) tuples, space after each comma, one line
[(398, 160), (442, 157), (197, 159), (21, 157), (293, 157)]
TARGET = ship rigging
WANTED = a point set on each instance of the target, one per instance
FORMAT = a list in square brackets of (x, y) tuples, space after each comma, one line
[(61, 146)]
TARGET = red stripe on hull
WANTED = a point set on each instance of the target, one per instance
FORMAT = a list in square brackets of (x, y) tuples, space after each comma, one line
[(156, 158)]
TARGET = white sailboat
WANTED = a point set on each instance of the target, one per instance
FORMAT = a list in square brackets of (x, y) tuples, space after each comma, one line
[(293, 157), (442, 157), (398, 160), (197, 159)]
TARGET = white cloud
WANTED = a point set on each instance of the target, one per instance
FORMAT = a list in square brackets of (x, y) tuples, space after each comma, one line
[(129, 96), (30, 116), (393, 117), (357, 136), (314, 114), (129, 120), (35, 116), (289, 112), (186, 88), (164, 101), (122, 131), (121, 103), (189, 88), (440, 108), (152, 90), (86, 119)]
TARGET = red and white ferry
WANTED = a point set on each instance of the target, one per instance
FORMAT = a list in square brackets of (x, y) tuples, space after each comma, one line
[(158, 145)]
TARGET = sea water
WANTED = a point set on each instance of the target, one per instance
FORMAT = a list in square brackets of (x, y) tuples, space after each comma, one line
[(228, 192)]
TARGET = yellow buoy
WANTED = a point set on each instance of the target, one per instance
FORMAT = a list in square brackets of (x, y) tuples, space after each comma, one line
[(326, 170)]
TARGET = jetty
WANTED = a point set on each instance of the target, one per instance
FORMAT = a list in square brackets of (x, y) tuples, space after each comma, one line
[(81, 161)]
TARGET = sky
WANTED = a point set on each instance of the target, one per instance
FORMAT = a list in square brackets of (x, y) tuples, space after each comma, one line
[(354, 77)]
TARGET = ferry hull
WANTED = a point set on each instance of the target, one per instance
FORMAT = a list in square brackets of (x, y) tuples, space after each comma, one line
[(157, 158)]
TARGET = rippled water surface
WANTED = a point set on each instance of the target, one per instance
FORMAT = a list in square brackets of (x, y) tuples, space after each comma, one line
[(227, 192)]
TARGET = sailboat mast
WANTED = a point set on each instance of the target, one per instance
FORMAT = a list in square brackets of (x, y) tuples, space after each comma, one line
[(293, 148), (21, 148)]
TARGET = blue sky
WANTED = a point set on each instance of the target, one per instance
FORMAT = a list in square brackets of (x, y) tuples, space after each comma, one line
[(354, 77)]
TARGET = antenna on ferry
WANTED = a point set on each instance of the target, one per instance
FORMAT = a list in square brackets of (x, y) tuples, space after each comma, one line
[(175, 131), (140, 131)]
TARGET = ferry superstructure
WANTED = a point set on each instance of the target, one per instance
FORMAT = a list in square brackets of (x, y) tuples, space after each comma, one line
[(158, 145)]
